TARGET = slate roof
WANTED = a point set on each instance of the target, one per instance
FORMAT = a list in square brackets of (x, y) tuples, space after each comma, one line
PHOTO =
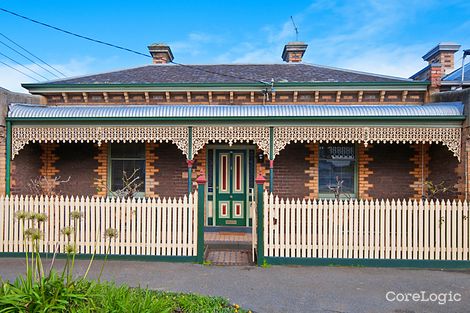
[(228, 73), (445, 109)]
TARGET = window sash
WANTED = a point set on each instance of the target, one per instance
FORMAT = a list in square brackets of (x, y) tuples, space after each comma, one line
[(349, 175), (124, 161)]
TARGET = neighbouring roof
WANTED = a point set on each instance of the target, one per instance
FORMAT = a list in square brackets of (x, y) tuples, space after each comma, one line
[(227, 73), (456, 76), (447, 109)]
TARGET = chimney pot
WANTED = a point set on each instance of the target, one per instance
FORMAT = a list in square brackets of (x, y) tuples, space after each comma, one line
[(294, 51), (161, 53)]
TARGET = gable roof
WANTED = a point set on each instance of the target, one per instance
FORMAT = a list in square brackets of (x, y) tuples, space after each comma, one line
[(227, 73)]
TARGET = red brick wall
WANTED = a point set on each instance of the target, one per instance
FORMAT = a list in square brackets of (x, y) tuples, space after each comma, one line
[(391, 171), (290, 172), (444, 167), (172, 171), (77, 161), (25, 166)]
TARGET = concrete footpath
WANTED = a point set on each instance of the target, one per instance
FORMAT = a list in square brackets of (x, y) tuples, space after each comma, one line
[(294, 289)]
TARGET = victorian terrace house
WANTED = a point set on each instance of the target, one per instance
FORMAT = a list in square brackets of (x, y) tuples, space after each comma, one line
[(308, 132)]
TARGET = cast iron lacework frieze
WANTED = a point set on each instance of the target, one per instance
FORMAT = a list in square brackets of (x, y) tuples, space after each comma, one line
[(21, 136), (451, 137), (259, 135), (230, 134)]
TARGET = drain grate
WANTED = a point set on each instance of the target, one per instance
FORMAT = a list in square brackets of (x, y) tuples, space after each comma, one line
[(229, 257)]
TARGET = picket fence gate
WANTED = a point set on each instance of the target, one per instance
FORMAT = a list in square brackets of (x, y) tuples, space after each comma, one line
[(385, 229), (145, 226)]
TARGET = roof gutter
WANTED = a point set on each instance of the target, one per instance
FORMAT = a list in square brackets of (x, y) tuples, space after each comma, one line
[(47, 87)]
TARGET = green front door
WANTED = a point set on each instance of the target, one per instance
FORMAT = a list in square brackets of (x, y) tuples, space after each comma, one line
[(230, 187)]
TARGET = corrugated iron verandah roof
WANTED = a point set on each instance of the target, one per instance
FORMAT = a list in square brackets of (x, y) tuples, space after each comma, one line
[(20, 111), (269, 138)]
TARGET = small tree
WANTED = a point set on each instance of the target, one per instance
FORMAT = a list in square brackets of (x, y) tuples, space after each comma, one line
[(130, 185), (436, 191), (47, 186), (337, 189)]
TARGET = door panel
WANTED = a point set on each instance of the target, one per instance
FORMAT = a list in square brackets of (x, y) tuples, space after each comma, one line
[(231, 187)]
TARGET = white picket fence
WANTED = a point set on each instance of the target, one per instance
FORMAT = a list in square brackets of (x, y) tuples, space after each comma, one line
[(407, 229), (145, 226)]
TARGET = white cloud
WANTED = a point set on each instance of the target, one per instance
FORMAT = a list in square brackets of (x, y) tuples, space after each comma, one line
[(392, 61), (195, 43), (356, 38), (12, 79)]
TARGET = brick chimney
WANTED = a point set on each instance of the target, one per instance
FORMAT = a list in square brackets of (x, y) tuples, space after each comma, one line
[(161, 53), (443, 54), (294, 51)]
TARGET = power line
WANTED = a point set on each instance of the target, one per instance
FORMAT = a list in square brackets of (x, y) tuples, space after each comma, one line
[(75, 34), (13, 60), (28, 58), (35, 56), (127, 49), (19, 71)]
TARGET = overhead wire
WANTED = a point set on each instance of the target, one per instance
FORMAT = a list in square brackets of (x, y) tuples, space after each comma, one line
[(22, 65), (33, 55), (74, 34), (128, 49), (29, 59), (13, 68)]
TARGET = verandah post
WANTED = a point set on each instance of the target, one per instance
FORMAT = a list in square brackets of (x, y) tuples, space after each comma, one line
[(190, 160), (8, 158), (190, 175), (271, 158), (271, 175), (201, 187), (260, 217)]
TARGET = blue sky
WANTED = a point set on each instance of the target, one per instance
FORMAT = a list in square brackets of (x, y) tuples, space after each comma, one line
[(386, 37)]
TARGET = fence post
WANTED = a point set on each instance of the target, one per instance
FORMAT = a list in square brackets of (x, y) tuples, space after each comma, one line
[(201, 187), (260, 212)]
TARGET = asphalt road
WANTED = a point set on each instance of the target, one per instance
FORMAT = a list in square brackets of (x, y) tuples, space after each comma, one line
[(291, 288)]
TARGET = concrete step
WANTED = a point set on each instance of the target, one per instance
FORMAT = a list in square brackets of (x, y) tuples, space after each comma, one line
[(235, 245), (229, 229)]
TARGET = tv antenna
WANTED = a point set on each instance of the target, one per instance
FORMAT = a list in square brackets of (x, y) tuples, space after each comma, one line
[(295, 28)]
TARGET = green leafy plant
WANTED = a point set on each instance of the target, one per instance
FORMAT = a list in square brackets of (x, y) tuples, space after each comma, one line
[(38, 291), (265, 264)]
